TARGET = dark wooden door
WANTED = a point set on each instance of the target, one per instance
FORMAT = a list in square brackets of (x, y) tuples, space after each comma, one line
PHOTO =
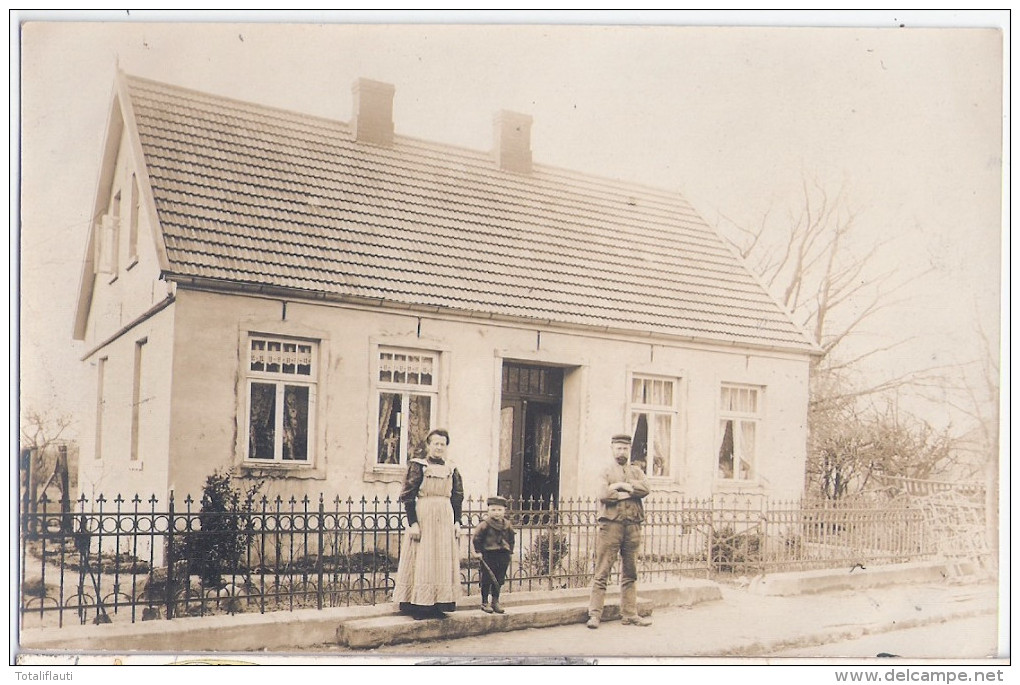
[(529, 462), (541, 477), (511, 448)]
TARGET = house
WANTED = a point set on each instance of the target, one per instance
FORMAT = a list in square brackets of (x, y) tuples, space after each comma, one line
[(295, 299)]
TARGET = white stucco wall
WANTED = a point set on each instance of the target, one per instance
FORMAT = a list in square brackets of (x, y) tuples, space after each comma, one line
[(125, 310), (121, 296), (209, 357), (109, 468)]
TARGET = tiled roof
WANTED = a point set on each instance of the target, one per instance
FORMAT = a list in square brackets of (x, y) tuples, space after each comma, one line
[(255, 195)]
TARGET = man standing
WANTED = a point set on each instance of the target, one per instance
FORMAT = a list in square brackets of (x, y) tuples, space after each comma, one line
[(621, 513)]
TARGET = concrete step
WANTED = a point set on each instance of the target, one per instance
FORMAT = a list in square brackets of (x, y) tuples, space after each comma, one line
[(368, 633), (524, 610)]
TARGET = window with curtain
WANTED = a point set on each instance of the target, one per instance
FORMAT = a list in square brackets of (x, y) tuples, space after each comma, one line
[(739, 419), (654, 412), (408, 397), (281, 400)]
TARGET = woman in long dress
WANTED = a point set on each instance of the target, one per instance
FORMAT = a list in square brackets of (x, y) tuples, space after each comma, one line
[(428, 575)]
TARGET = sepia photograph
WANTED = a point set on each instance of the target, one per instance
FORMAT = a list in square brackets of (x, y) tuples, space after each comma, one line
[(510, 338)]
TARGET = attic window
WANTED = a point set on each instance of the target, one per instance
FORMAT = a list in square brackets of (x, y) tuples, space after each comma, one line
[(108, 239), (133, 226)]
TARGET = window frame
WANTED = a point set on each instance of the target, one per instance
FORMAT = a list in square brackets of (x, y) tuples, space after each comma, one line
[(136, 398), (281, 380), (673, 411), (739, 417), (114, 236), (434, 391), (134, 211), (101, 371)]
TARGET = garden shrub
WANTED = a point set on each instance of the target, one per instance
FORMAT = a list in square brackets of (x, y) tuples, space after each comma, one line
[(219, 546), (734, 552), (546, 553), (377, 561)]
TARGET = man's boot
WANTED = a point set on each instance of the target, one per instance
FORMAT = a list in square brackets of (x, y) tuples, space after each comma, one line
[(636, 621)]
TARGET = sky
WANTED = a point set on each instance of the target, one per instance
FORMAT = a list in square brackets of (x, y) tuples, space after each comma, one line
[(734, 118)]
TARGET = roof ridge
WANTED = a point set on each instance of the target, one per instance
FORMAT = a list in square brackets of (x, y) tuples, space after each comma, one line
[(611, 182)]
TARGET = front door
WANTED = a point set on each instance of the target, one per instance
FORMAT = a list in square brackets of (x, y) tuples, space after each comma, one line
[(529, 464)]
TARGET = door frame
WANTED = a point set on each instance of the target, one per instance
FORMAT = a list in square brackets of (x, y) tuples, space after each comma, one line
[(543, 386)]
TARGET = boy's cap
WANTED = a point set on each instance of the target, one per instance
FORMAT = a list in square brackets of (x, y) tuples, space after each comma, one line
[(501, 501), (621, 437)]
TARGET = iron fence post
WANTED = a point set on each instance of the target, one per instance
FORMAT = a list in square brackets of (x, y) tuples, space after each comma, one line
[(710, 538), (551, 537), (170, 580), (319, 562)]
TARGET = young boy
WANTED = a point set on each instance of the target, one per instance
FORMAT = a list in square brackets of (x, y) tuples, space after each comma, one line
[(494, 540)]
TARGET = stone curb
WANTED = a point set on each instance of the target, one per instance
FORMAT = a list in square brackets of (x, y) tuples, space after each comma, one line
[(856, 578), (769, 648), (278, 631)]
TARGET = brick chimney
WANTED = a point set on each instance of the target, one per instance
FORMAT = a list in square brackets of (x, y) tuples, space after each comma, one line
[(512, 141), (372, 120)]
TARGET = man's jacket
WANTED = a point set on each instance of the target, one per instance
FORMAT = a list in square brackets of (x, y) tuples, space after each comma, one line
[(611, 507)]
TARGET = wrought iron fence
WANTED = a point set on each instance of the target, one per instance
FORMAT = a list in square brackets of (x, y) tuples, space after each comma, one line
[(788, 536), (131, 560)]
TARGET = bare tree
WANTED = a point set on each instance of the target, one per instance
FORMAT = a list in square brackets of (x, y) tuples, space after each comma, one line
[(828, 275), (853, 449), (814, 264), (44, 458), (975, 394)]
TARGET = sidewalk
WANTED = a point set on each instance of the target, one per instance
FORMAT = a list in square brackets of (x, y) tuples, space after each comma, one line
[(741, 624), (693, 618)]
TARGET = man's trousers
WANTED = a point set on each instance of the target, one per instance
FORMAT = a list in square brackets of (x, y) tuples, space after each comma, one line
[(623, 539)]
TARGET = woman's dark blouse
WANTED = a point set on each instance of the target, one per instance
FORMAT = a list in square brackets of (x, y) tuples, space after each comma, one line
[(412, 482)]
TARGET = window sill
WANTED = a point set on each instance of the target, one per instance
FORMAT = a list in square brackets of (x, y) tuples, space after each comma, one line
[(136, 465), (739, 487), (278, 470), (385, 474)]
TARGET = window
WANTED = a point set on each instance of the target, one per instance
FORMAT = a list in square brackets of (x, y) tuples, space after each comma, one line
[(111, 234), (100, 405), (107, 237), (281, 400), (133, 225), (653, 414), (408, 398), (136, 397), (740, 415)]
